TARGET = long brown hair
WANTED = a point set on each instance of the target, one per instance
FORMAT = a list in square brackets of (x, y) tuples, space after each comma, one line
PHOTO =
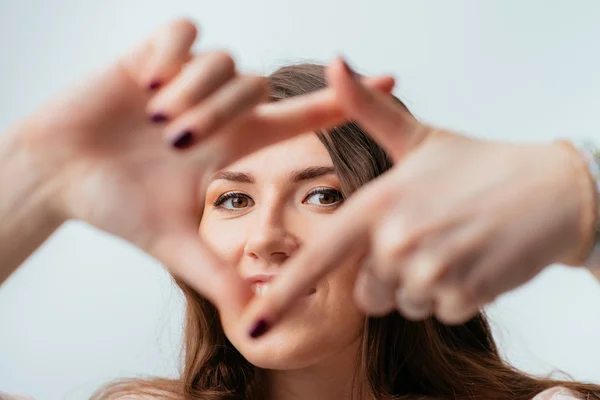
[(398, 359)]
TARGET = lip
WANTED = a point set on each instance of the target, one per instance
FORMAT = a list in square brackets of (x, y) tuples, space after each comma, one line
[(262, 279)]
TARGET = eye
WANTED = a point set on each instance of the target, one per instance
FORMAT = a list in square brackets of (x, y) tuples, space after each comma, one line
[(232, 201), (324, 197)]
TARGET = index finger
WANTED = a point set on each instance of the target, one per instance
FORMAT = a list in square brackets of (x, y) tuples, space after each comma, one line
[(161, 56), (312, 263), (277, 121), (385, 118)]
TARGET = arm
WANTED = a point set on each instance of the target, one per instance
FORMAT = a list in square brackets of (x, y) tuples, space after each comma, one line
[(25, 217), (9, 396)]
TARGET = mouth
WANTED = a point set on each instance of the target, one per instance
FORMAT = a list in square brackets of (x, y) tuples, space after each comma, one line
[(261, 288)]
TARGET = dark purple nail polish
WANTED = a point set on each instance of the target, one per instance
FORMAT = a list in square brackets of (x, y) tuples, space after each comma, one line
[(260, 328), (157, 118), (154, 85), (183, 140)]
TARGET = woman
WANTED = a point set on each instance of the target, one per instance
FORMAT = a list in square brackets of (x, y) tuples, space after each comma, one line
[(457, 222), (258, 212)]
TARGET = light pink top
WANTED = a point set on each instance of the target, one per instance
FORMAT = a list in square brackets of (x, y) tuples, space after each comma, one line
[(557, 393)]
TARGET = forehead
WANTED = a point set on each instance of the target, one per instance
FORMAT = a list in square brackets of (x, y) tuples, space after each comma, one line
[(302, 151)]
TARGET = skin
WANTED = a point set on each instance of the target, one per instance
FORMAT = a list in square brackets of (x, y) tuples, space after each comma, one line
[(91, 154), (267, 222), (103, 152), (456, 222)]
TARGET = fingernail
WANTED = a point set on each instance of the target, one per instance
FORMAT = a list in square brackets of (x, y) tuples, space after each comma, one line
[(157, 118), (154, 85), (183, 140), (260, 328)]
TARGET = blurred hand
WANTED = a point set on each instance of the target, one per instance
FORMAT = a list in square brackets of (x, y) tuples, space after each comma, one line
[(456, 222), (100, 147)]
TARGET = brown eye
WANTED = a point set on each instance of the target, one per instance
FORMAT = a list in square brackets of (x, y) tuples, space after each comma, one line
[(239, 202), (324, 197), (233, 201)]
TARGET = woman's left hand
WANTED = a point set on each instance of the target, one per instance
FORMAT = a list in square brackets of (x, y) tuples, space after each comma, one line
[(454, 224)]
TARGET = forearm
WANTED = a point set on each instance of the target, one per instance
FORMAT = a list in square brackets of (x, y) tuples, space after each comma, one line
[(26, 219)]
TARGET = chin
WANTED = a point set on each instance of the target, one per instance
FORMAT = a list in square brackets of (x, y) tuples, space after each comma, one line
[(283, 348), (292, 346), (312, 331)]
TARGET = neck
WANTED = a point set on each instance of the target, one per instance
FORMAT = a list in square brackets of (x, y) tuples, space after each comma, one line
[(331, 379)]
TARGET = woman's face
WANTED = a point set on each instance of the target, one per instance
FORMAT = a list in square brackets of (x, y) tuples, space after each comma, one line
[(258, 213)]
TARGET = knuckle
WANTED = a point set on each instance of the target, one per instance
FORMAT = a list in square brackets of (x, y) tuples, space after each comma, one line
[(214, 118), (392, 247), (426, 270), (385, 272), (476, 289), (451, 308)]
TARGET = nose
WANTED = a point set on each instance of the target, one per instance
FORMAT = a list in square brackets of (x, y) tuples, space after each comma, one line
[(270, 241)]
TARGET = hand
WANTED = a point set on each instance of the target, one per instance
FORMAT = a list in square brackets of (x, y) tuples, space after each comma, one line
[(101, 149), (456, 222)]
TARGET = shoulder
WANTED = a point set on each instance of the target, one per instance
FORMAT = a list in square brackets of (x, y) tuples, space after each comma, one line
[(129, 397), (133, 397), (557, 393)]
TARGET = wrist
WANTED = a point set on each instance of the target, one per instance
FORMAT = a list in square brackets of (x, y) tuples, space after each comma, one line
[(584, 190), (27, 190), (25, 177), (590, 153)]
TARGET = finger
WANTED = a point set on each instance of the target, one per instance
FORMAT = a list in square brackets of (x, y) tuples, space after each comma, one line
[(413, 306), (372, 295), (495, 274), (483, 276), (311, 263), (415, 296), (189, 260), (393, 244), (201, 77), (235, 99), (311, 112), (381, 115), (159, 58), (453, 308), (273, 122), (421, 272)]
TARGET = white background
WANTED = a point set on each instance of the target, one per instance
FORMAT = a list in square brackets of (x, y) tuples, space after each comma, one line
[(87, 308)]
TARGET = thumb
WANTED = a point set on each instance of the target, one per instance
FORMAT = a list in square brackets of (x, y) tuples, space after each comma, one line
[(383, 116), (189, 260)]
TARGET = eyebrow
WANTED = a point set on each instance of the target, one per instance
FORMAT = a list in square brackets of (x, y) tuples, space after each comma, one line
[(309, 173), (239, 177), (296, 176)]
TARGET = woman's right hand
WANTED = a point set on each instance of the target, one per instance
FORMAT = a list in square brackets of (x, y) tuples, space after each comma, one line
[(456, 222), (99, 148)]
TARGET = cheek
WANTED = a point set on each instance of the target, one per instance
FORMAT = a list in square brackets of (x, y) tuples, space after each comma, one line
[(226, 238), (341, 282)]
